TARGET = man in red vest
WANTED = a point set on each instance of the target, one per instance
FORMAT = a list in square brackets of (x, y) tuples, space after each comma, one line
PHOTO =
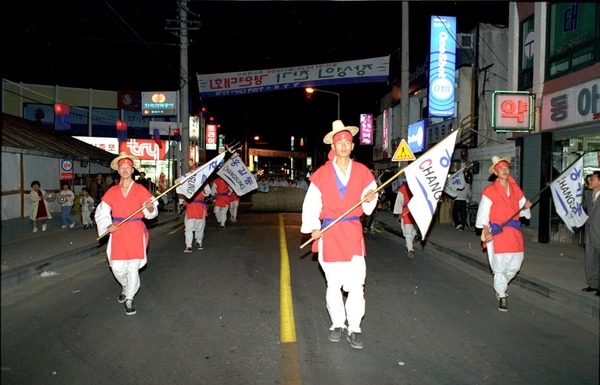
[(407, 222), (335, 188), (221, 191)]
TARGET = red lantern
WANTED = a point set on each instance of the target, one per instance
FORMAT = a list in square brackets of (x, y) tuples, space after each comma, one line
[(121, 131), (121, 125), (62, 117)]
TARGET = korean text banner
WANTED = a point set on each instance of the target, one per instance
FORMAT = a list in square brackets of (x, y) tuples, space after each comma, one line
[(279, 79)]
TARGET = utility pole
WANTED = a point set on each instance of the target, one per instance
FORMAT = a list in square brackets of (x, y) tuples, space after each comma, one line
[(184, 79), (404, 75)]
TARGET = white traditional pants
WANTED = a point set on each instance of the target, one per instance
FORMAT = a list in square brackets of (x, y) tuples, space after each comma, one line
[(350, 277), (127, 274), (233, 210), (505, 267), (410, 232), (194, 225), (221, 214)]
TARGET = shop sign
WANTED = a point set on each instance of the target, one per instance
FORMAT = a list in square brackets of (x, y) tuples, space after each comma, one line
[(575, 105), (512, 111)]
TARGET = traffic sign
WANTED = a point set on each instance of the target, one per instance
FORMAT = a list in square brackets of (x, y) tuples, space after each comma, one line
[(403, 152)]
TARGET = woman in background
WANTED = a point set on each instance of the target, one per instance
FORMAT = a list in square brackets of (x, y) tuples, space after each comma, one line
[(39, 212)]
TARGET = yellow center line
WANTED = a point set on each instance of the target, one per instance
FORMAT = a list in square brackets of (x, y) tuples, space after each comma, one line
[(290, 370)]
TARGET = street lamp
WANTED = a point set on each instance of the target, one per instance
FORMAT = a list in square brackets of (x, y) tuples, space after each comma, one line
[(311, 90)]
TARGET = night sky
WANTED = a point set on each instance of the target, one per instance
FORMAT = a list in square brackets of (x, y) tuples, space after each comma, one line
[(130, 45)]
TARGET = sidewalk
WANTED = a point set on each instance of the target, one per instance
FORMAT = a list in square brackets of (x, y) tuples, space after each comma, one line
[(26, 254), (554, 270)]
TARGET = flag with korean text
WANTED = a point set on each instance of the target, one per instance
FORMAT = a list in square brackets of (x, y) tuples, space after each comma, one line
[(567, 194), (426, 178), (193, 180), (237, 176), (455, 182)]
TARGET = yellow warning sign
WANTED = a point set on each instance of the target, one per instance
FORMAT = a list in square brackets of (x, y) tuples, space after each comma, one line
[(403, 152)]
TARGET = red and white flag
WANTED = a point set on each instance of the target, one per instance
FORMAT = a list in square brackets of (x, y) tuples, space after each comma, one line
[(426, 177), (567, 194)]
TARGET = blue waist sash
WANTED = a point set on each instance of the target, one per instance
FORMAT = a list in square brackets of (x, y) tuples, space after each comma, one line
[(496, 229), (117, 219), (200, 201), (327, 221)]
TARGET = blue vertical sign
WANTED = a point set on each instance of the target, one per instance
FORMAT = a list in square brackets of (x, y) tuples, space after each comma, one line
[(442, 66)]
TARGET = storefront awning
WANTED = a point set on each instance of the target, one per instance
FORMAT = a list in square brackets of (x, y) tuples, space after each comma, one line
[(23, 136)]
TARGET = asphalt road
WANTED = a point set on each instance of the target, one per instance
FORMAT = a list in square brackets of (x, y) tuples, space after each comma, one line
[(250, 309)]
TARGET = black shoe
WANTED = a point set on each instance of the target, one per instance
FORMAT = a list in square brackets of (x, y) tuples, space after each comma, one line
[(355, 340), (121, 298), (597, 293), (503, 305), (336, 335), (589, 289), (129, 310)]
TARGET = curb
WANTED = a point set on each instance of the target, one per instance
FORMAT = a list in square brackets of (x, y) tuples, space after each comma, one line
[(587, 306), (26, 272)]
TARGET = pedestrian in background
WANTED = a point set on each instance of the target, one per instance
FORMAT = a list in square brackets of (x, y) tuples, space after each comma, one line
[(234, 204), (86, 202), (143, 181), (405, 218), (220, 189), (459, 207), (128, 243), (66, 198), (334, 188), (500, 200), (98, 188), (39, 206), (592, 234)]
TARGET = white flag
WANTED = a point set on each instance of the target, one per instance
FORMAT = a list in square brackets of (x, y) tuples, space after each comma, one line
[(426, 178), (192, 180), (237, 175), (454, 183), (567, 193)]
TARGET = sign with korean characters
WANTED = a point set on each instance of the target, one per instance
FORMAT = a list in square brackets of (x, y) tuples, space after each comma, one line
[(512, 111), (66, 169)]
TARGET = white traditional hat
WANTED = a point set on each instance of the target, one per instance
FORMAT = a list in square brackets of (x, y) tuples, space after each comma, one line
[(338, 126), (123, 155), (496, 159)]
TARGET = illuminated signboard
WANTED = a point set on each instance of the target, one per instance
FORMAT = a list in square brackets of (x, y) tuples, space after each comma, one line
[(159, 103), (442, 66), (366, 129), (211, 136), (387, 127), (416, 135), (512, 111)]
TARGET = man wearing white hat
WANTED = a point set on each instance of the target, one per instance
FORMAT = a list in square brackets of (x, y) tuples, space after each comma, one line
[(334, 189), (500, 200), (128, 242)]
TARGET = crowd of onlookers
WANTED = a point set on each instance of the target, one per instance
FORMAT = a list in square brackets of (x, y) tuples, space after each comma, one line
[(280, 181)]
